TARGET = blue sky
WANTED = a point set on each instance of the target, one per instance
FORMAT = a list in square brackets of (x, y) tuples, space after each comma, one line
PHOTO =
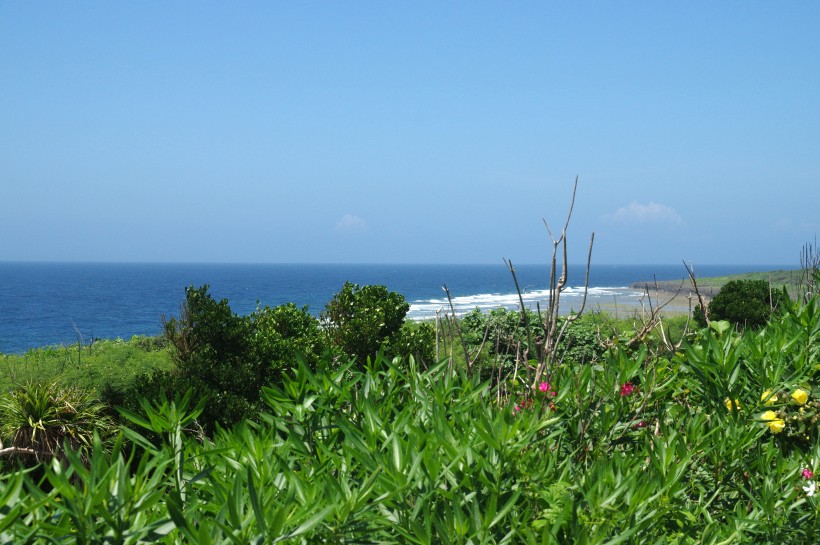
[(408, 132)]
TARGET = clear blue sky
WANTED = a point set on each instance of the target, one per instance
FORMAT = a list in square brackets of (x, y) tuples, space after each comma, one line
[(408, 132)]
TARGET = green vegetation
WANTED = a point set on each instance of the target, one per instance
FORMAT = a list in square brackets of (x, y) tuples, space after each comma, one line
[(104, 366), (715, 442), (360, 319), (744, 303), (362, 428), (226, 359), (41, 421), (709, 286)]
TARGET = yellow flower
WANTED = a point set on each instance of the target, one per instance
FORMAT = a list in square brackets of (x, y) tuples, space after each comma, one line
[(800, 396), (768, 398), (775, 424), (728, 403)]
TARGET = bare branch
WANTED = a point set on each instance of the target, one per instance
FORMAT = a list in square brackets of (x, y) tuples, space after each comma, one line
[(703, 306), (17, 450), (571, 204), (521, 302), (552, 333)]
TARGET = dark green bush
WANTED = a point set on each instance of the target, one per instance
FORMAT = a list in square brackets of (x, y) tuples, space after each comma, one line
[(359, 320), (506, 334), (214, 358), (744, 303), (227, 358), (417, 340), (581, 342), (281, 332)]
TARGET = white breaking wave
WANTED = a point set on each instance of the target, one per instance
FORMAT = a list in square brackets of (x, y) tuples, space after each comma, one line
[(570, 300)]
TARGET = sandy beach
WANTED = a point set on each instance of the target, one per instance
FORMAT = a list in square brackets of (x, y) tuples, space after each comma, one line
[(673, 303)]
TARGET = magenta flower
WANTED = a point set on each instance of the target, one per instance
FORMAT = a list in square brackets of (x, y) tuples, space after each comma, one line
[(544, 386), (807, 473), (627, 389)]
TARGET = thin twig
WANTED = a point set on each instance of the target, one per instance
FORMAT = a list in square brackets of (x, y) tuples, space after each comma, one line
[(458, 330), (703, 306)]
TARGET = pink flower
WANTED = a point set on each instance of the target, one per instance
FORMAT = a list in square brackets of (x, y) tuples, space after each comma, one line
[(544, 386), (640, 425), (554, 393), (807, 473), (627, 389)]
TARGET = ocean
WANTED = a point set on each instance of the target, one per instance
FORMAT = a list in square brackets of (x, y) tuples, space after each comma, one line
[(44, 304)]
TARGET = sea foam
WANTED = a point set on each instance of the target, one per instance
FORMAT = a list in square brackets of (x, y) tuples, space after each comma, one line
[(571, 300)]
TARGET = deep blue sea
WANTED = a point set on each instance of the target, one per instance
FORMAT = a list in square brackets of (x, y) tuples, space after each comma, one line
[(45, 304)]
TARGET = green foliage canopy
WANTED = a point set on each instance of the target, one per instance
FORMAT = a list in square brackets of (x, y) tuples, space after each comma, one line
[(228, 358), (744, 303), (359, 319)]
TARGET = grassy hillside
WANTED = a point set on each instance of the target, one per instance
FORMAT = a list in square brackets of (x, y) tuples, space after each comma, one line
[(711, 285), (110, 363)]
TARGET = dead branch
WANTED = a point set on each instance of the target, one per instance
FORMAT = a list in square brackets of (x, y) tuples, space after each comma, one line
[(468, 359), (557, 284), (520, 300), (18, 450), (703, 306), (655, 318)]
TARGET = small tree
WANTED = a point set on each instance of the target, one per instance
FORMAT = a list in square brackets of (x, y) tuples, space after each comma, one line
[(745, 303), (414, 339), (280, 333), (213, 357), (228, 358), (359, 319)]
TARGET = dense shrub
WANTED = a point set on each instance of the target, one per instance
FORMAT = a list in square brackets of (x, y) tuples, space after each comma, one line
[(581, 342), (744, 303), (506, 335), (417, 340), (214, 358), (282, 332), (226, 358), (503, 329), (359, 319)]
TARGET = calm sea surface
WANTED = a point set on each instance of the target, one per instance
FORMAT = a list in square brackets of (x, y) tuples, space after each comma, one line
[(58, 303)]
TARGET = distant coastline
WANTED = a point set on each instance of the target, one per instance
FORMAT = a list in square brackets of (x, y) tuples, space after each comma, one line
[(709, 286), (52, 304)]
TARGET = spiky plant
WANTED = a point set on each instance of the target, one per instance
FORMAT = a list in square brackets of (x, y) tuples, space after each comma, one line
[(38, 419)]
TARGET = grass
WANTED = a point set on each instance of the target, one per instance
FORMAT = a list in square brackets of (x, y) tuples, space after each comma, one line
[(709, 286), (103, 364)]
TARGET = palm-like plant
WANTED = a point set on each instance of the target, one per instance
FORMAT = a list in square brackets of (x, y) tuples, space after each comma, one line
[(37, 420)]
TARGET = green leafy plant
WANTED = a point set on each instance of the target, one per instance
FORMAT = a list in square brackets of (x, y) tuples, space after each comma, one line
[(39, 420), (744, 303), (359, 319), (416, 340), (227, 358), (279, 334)]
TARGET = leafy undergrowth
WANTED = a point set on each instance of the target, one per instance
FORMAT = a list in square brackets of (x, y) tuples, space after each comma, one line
[(717, 443)]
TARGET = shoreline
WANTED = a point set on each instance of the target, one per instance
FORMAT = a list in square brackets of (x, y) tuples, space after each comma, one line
[(672, 304)]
